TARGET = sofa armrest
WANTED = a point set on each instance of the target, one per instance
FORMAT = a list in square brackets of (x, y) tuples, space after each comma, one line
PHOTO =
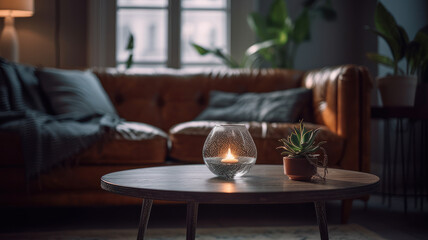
[(342, 103)]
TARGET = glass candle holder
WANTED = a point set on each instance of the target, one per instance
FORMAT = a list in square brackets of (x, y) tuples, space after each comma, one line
[(229, 151)]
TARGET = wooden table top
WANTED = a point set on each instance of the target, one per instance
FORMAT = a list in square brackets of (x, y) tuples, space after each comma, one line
[(263, 184)]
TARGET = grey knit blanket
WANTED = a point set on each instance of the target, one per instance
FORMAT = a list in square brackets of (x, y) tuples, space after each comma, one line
[(47, 140)]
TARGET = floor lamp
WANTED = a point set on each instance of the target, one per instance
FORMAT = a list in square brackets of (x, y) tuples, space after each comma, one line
[(9, 9)]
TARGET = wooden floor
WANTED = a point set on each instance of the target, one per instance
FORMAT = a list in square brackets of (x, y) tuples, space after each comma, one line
[(390, 223)]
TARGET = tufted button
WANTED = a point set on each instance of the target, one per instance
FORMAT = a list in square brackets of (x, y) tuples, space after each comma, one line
[(118, 98), (200, 99), (160, 101)]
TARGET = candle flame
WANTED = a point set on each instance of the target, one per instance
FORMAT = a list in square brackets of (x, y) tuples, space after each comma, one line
[(229, 155), (229, 158)]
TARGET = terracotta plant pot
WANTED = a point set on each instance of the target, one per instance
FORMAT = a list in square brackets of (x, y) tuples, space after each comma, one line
[(298, 169), (397, 91)]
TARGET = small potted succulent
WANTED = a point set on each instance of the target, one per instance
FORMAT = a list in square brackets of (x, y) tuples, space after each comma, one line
[(301, 160)]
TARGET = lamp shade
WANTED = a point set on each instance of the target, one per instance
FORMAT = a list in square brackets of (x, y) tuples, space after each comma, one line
[(16, 8)]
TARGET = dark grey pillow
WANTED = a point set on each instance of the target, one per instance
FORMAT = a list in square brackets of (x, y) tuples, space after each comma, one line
[(74, 92), (279, 106)]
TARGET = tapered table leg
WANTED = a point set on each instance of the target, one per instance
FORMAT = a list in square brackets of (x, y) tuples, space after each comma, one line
[(192, 218), (321, 219), (144, 218)]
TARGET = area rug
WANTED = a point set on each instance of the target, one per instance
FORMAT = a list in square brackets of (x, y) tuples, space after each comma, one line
[(342, 232)]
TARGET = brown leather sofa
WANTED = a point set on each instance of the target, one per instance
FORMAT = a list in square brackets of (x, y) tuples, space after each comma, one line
[(167, 102)]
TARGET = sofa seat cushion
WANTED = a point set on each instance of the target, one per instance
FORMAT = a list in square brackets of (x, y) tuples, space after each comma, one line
[(188, 139), (133, 143)]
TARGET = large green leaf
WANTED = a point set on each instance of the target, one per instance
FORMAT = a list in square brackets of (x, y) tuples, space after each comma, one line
[(422, 38), (130, 45), (387, 27), (413, 56), (277, 14), (380, 59), (258, 24), (201, 50), (129, 61), (302, 27), (227, 60), (257, 47), (417, 51)]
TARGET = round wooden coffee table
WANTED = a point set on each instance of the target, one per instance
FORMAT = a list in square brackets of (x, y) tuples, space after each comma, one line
[(195, 184)]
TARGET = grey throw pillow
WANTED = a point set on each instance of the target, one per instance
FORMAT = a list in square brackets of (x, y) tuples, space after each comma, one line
[(74, 92), (279, 106)]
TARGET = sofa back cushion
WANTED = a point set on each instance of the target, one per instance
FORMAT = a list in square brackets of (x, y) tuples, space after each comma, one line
[(278, 106), (74, 92), (166, 98)]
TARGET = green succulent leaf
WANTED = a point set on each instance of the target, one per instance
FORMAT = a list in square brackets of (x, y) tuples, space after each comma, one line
[(295, 140), (300, 142), (307, 136)]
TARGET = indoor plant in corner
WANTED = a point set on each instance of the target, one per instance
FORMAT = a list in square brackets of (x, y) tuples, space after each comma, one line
[(278, 35), (301, 160), (399, 88)]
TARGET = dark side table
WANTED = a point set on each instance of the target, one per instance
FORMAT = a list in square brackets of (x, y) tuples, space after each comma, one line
[(409, 152), (264, 184)]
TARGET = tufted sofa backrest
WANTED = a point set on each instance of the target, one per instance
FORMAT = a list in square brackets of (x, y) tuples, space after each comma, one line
[(165, 98)]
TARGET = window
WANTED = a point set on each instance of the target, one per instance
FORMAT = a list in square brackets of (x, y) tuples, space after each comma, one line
[(163, 31)]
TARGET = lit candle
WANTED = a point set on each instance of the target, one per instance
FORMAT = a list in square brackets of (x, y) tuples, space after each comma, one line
[(229, 158)]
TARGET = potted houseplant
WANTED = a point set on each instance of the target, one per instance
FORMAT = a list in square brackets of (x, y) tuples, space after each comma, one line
[(301, 160), (419, 63), (398, 88), (279, 36)]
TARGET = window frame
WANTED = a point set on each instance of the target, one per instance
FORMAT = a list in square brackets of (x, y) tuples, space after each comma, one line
[(174, 13), (101, 44)]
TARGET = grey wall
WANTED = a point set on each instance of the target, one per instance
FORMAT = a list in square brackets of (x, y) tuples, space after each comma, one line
[(37, 34)]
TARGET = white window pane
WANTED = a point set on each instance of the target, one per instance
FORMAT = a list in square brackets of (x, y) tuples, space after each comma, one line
[(205, 28), (203, 3), (149, 28), (142, 3)]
